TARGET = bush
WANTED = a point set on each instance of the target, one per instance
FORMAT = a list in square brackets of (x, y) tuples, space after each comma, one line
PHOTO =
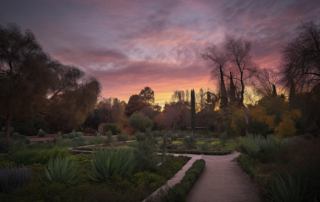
[(13, 178), (72, 135), (189, 142), (140, 136), (60, 170), (4, 146), (16, 146), (122, 136), (65, 136), (41, 134), (78, 134), (109, 135), (27, 141), (81, 140), (140, 122), (223, 138), (157, 133), (113, 128), (204, 147), (28, 157), (174, 137), (96, 140), (108, 162), (15, 135)]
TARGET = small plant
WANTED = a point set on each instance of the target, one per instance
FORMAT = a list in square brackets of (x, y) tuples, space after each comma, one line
[(81, 140), (65, 136), (181, 135), (223, 138), (174, 137), (123, 136), (12, 178), (41, 134), (157, 133), (108, 162), (204, 147), (287, 190), (60, 170), (189, 142), (109, 135), (72, 135), (140, 136), (78, 134), (27, 141), (15, 135)]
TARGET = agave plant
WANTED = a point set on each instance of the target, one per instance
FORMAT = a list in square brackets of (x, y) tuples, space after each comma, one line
[(61, 170), (12, 178), (288, 190), (108, 162)]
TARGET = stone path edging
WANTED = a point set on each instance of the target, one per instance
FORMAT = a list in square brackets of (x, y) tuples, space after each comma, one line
[(178, 176)]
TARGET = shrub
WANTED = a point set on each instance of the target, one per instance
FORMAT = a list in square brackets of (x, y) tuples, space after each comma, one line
[(122, 136), (287, 190), (27, 141), (140, 122), (60, 170), (140, 136), (204, 147), (157, 133), (13, 178), (4, 146), (78, 134), (15, 135), (145, 152), (223, 138), (16, 146), (81, 140), (108, 162), (174, 137), (41, 134), (96, 140), (181, 135), (112, 127), (109, 135), (65, 136), (189, 142), (72, 135)]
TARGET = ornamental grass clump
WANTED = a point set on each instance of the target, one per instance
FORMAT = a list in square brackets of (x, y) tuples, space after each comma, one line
[(61, 170), (108, 162), (12, 178), (287, 189)]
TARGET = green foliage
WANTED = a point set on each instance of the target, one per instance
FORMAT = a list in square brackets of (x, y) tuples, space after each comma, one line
[(223, 138), (78, 134), (28, 157), (204, 147), (31, 126), (66, 144), (193, 111), (4, 146), (5, 162), (157, 133), (108, 162), (16, 146), (27, 141), (72, 135), (96, 140), (112, 127), (65, 136), (180, 191), (140, 122), (41, 134), (81, 140), (174, 137), (287, 189), (60, 170), (15, 135), (145, 153), (189, 142), (123, 136), (140, 136), (109, 135), (12, 178), (181, 135)]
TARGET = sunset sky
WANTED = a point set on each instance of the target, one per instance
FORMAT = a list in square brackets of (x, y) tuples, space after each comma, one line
[(131, 44)]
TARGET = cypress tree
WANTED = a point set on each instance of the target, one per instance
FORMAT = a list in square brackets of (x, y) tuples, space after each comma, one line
[(193, 111)]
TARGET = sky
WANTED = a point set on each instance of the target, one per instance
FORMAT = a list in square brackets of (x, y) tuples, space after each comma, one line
[(131, 44)]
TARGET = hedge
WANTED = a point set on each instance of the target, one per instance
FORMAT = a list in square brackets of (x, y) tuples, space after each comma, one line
[(200, 152)]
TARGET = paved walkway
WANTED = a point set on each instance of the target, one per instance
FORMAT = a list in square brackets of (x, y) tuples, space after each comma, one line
[(222, 180)]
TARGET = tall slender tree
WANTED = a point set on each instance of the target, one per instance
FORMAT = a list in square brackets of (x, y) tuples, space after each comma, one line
[(193, 111)]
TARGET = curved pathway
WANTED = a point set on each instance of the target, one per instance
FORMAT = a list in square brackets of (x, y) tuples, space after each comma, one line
[(222, 180)]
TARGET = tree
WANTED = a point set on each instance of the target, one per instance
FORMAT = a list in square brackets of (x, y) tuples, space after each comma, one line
[(233, 56), (135, 104), (147, 95), (26, 74), (140, 122), (265, 82), (301, 57), (193, 111)]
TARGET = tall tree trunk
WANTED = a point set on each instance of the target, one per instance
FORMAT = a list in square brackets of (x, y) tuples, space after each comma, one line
[(224, 99), (193, 111), (7, 126)]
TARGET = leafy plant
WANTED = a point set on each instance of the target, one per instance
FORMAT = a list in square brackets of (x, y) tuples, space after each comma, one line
[(96, 140), (123, 136), (12, 178), (204, 147), (140, 122), (140, 136), (112, 127), (60, 170), (27, 141), (174, 137), (81, 140), (41, 134), (72, 135), (189, 142), (108, 162), (287, 190), (78, 134), (15, 135), (65, 136), (223, 138), (109, 135)]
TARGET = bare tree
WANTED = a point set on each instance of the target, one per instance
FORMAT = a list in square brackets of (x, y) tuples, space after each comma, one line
[(233, 56), (265, 83), (301, 57)]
